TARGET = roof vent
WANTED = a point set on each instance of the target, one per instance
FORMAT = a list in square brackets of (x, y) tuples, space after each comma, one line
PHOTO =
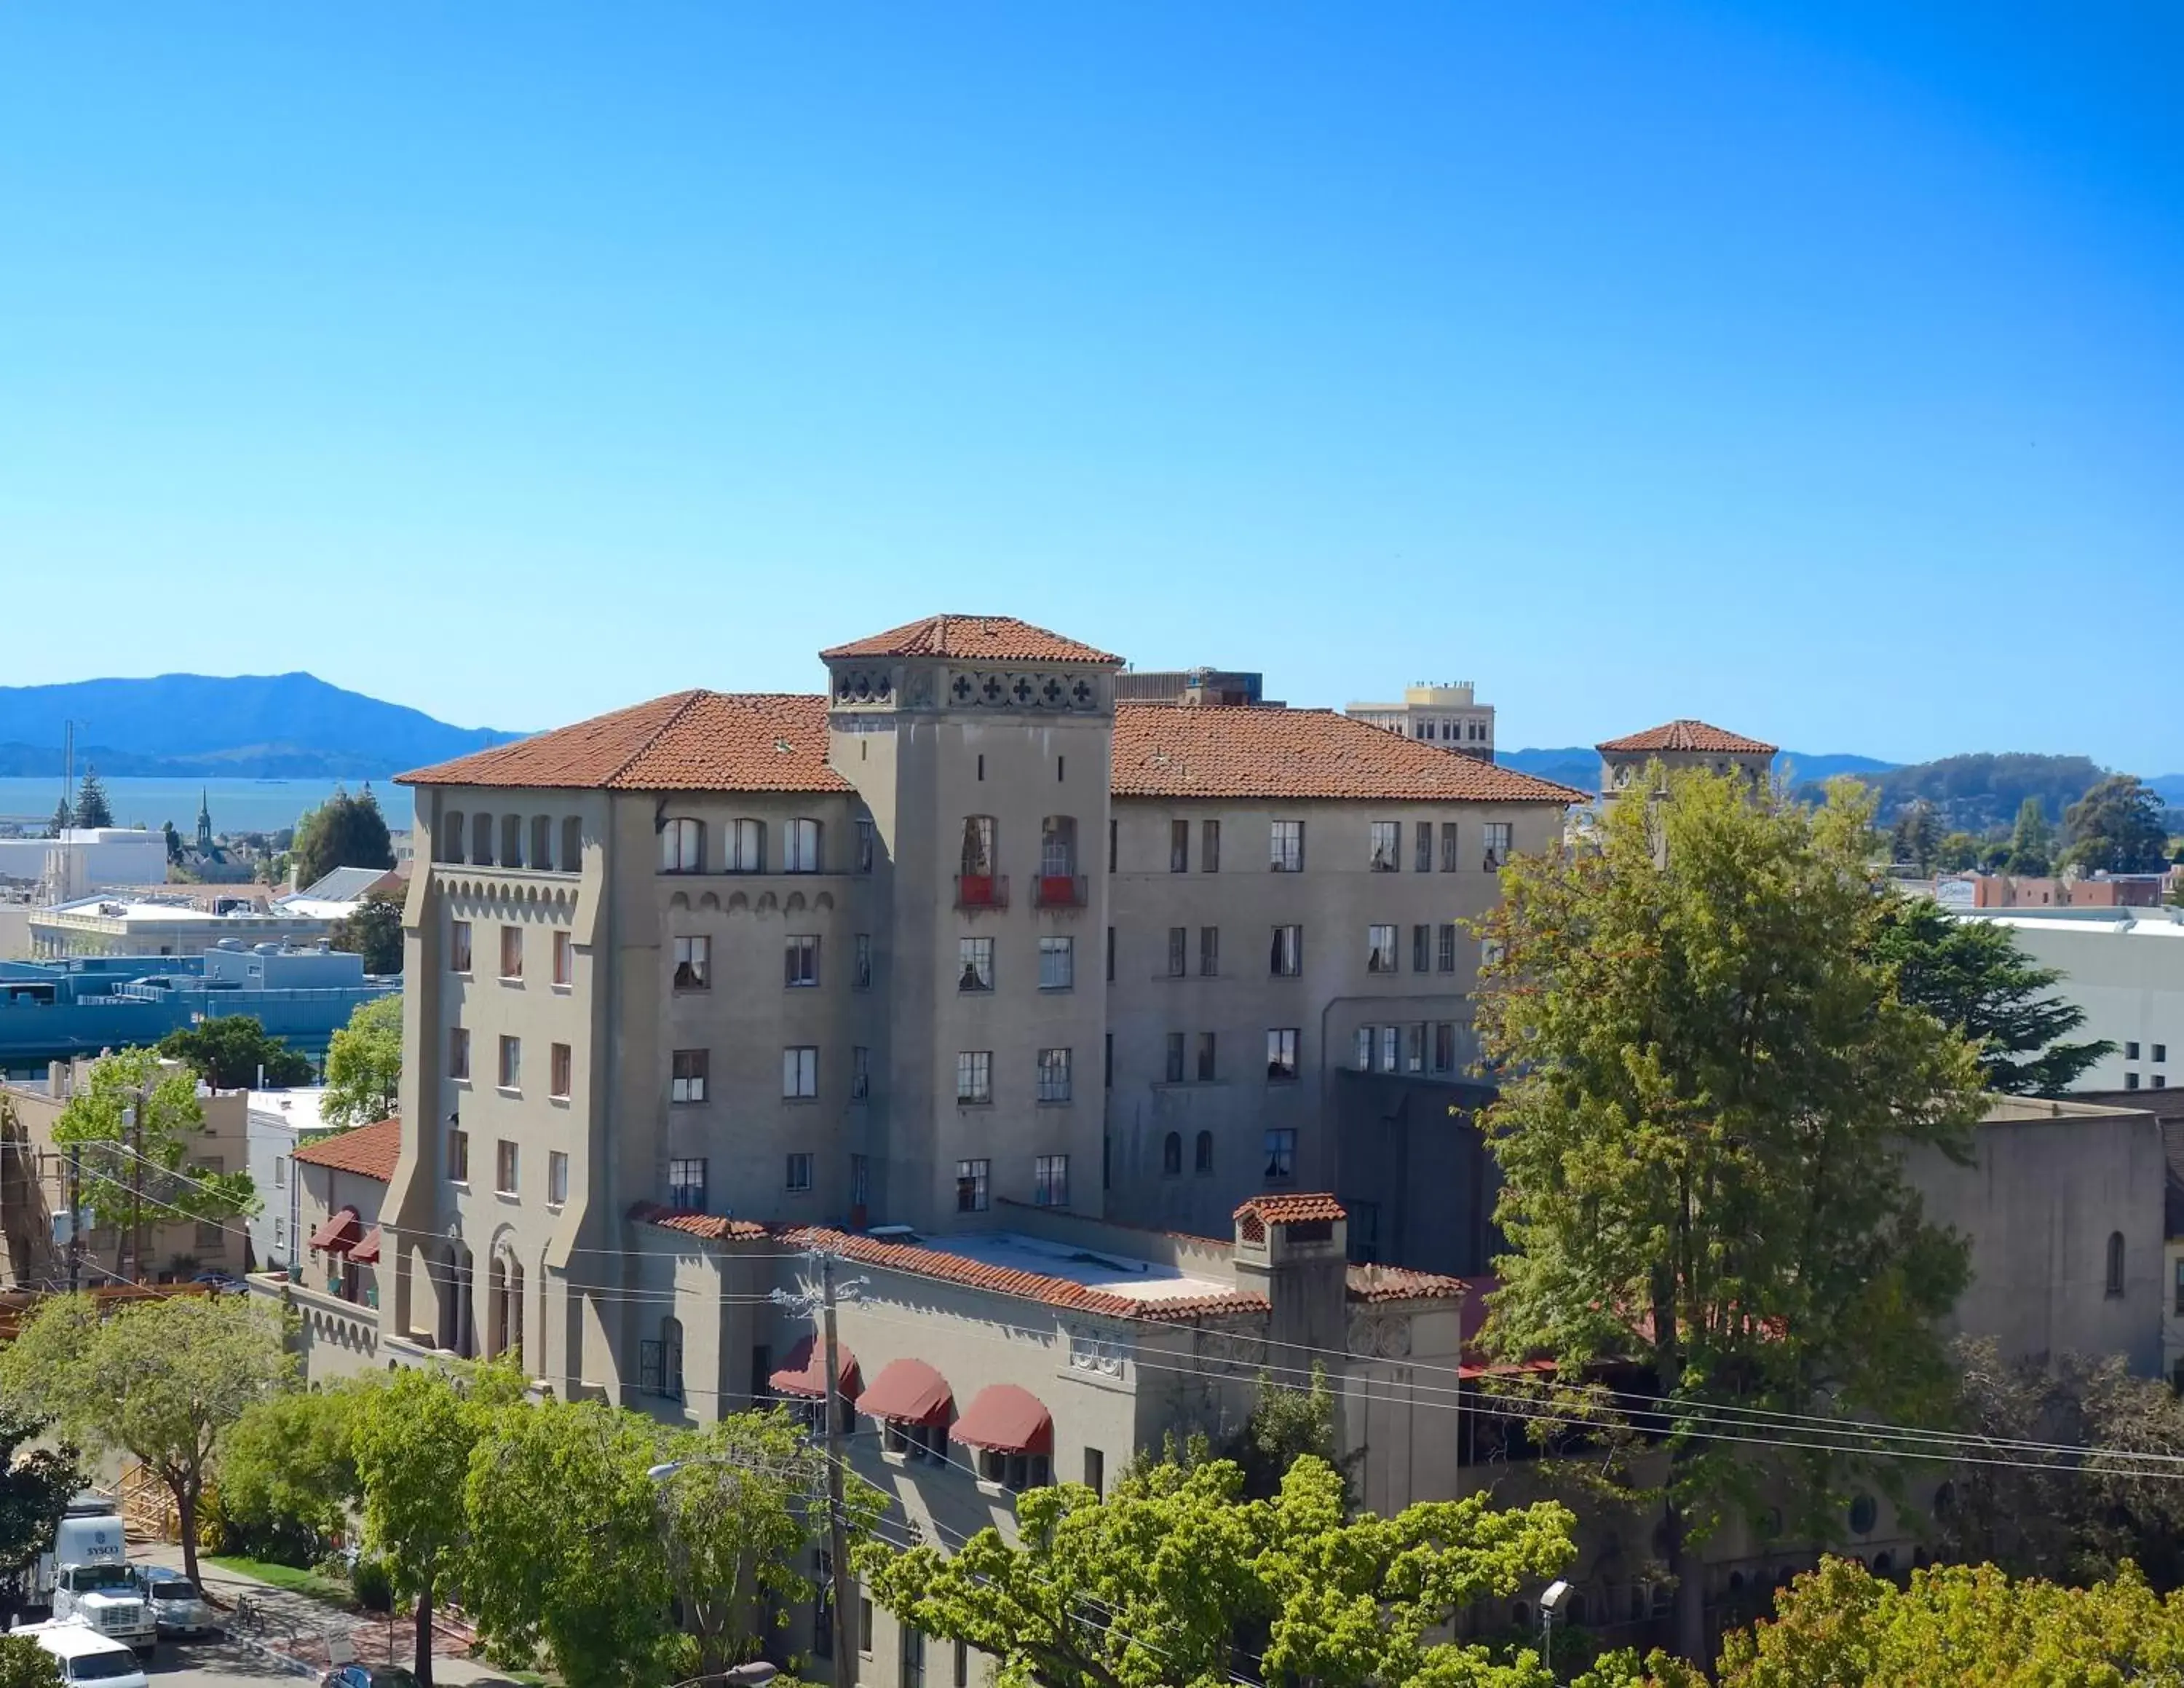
[(893, 1233)]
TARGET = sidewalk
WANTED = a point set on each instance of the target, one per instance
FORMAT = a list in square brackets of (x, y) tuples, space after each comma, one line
[(296, 1625)]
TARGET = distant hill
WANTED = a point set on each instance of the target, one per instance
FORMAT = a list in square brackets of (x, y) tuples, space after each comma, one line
[(1982, 791), (1579, 765), (251, 726)]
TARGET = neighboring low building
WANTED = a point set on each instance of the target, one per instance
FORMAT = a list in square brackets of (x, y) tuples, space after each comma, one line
[(2125, 967), (280, 1122), (1678, 745), (164, 925), (1191, 685), (2011, 891), (1448, 714), (338, 1186), (85, 859), (338, 895)]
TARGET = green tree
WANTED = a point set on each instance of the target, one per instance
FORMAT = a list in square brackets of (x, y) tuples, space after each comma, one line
[(374, 933), (2031, 842), (91, 808), (342, 832), (234, 1052), (289, 1476), (174, 843), (1710, 1086), (137, 1119), (1971, 976), (364, 1064), (160, 1380), (1145, 1588), (2117, 827), (63, 818), (35, 1490), (1916, 838), (1284, 1426), (25, 1664), (413, 1444), (1957, 852)]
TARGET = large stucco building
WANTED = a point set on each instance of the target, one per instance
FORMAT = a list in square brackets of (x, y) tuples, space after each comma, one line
[(1678, 747), (1448, 714)]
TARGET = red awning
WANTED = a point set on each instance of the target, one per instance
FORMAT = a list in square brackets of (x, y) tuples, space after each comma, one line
[(1007, 1420), (910, 1392), (340, 1233), (366, 1253), (805, 1372)]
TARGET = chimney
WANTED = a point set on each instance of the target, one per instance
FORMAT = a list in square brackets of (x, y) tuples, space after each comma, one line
[(1294, 1251)]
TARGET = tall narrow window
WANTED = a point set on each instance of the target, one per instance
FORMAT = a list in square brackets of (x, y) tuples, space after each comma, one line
[(1361, 1054), (687, 1070), (693, 964), (1286, 957), (504, 1168), (448, 838), (746, 846), (974, 1075), (1282, 1054), (1387, 850), (1444, 947), (511, 952), (2115, 1263), (560, 1068), (1057, 962), (1110, 955), (511, 840), (861, 965), (798, 1182), (459, 946), (803, 851), (1209, 848), (1286, 854), (800, 961), (459, 1052), (1281, 1154), (1448, 847), (1178, 941), (1179, 846), (1414, 1046), (682, 847), (972, 1177), (557, 1178), (1175, 1068), (686, 1185), (565, 958), (977, 846), (1202, 1153), (1421, 861), (1050, 1186), (1205, 1061), (1497, 840), (482, 841), (1057, 847), (1421, 949), (1172, 1155), (1111, 845), (542, 842), (799, 1071), (459, 1157), (1209, 951), (1054, 1084), (572, 858), (867, 845), (511, 1064), (1379, 949), (974, 963), (861, 1073)]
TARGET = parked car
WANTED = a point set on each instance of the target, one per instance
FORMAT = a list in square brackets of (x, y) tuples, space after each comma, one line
[(368, 1676), (87, 1656), (178, 1606), (219, 1282)]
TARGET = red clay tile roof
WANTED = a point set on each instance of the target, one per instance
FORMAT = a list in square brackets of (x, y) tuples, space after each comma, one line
[(713, 1227), (1293, 1209), (1694, 736), (369, 1151), (1400, 1283), (685, 742), (1174, 750), (972, 639)]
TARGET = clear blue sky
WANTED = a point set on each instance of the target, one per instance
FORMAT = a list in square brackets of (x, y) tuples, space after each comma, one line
[(1815, 369)]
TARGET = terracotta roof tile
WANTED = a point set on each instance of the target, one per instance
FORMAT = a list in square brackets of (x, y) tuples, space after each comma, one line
[(368, 1151), (972, 639), (1293, 1209), (713, 1227), (1696, 737), (1174, 750), (1400, 1283), (685, 742)]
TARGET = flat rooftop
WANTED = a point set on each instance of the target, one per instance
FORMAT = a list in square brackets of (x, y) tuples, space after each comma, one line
[(1122, 1275), (298, 1107), (2107, 922), (179, 910)]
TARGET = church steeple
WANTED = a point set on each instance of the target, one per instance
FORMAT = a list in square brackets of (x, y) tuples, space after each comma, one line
[(204, 821)]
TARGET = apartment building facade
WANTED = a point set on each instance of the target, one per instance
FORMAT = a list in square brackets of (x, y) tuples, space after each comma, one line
[(1448, 714), (904, 954)]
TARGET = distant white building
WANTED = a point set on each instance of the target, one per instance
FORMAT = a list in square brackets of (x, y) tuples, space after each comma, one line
[(156, 925), (1449, 715), (84, 858), (337, 896), (2125, 968)]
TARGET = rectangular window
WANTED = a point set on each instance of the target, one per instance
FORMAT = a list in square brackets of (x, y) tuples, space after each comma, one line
[(686, 1186), (459, 1157), (799, 961), (861, 1073), (864, 1625), (799, 1071), (2130, 1052), (693, 964), (1390, 1041), (511, 1064), (1361, 1054), (1057, 847), (1209, 846), (1497, 844), (1444, 947), (861, 968), (1286, 854), (1387, 852), (1178, 943), (861, 1181), (1282, 1054), (746, 846), (1209, 951), (689, 1071), (681, 845), (1490, 951), (565, 958), (2160, 1052), (211, 1234), (867, 845), (1449, 847), (459, 946), (974, 963), (971, 1180), (1414, 1046), (1286, 958), (1379, 949), (2131, 1081), (1421, 949), (1111, 845), (459, 1052), (1054, 1074), (503, 1167), (803, 847), (1057, 963), (560, 1061), (557, 1178), (1096, 1471), (1110, 955), (1174, 1069), (1179, 846), (798, 1180), (1281, 1154), (912, 1642), (280, 1172), (974, 1075), (1049, 1184), (1444, 1056), (1108, 1059), (1205, 1066), (511, 952), (1421, 858)]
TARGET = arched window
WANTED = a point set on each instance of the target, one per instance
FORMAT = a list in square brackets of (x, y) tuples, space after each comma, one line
[(572, 845), (481, 839), (511, 840), (746, 844), (451, 836), (542, 842), (977, 846), (1172, 1153), (682, 847), (1057, 847), (1202, 1159), (2115, 1263)]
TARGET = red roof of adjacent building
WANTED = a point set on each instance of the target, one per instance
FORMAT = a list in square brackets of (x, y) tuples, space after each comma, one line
[(714, 1227), (972, 639), (1284, 1210), (1174, 749), (368, 1151), (685, 742), (1400, 1283), (1693, 736)]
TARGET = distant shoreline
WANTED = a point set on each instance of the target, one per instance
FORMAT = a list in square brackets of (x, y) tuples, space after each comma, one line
[(236, 805)]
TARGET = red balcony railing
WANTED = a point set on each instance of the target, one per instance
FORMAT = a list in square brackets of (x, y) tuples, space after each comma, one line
[(982, 891), (1062, 890)]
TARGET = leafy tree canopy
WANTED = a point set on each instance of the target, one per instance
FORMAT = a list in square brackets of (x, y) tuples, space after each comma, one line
[(25, 1664), (342, 832), (35, 1488), (1971, 976), (2118, 827), (234, 1052), (364, 1064), (374, 933), (2031, 842), (92, 808), (288, 1475), (160, 1380), (1146, 1589), (1712, 1085)]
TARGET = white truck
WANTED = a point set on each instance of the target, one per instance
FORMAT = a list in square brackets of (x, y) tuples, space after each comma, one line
[(85, 1655), (87, 1577)]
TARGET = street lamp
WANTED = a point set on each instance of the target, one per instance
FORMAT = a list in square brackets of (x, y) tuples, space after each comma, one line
[(1551, 1602)]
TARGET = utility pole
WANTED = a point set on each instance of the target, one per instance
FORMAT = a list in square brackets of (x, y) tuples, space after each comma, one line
[(75, 1216), (838, 1541), (133, 1118)]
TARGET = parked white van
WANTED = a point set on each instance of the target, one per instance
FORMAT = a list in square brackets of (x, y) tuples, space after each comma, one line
[(87, 1656)]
